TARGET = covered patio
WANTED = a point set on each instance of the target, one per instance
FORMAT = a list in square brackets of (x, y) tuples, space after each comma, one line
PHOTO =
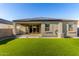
[(28, 28)]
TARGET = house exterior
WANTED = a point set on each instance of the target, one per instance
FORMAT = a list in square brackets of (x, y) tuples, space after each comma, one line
[(6, 28), (45, 27)]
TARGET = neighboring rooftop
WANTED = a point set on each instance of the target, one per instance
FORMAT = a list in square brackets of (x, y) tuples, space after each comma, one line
[(5, 21), (39, 19)]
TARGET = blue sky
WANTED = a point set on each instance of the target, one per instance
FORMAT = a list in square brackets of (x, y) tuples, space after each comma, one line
[(27, 10)]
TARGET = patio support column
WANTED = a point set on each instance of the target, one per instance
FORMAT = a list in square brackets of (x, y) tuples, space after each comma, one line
[(14, 28), (60, 32), (42, 29), (51, 25), (67, 30), (76, 30)]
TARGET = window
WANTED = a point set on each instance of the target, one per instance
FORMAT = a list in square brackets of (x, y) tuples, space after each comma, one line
[(47, 26), (70, 27)]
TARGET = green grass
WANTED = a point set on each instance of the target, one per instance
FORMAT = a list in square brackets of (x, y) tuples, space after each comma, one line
[(40, 47)]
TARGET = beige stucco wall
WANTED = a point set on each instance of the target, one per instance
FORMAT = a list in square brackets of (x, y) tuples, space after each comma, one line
[(6, 30), (51, 32)]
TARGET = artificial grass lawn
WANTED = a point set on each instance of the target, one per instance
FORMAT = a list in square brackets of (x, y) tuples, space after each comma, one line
[(40, 47)]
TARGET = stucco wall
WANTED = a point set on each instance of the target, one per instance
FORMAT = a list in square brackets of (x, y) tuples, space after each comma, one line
[(62, 29), (51, 32)]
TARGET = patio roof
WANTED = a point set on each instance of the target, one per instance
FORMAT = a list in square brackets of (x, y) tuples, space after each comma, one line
[(39, 19)]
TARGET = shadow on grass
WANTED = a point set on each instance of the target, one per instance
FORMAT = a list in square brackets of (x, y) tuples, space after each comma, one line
[(6, 41)]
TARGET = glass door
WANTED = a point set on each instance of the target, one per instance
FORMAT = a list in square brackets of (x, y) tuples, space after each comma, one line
[(34, 29)]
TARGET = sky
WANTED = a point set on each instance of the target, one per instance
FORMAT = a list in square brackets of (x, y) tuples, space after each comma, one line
[(14, 11)]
